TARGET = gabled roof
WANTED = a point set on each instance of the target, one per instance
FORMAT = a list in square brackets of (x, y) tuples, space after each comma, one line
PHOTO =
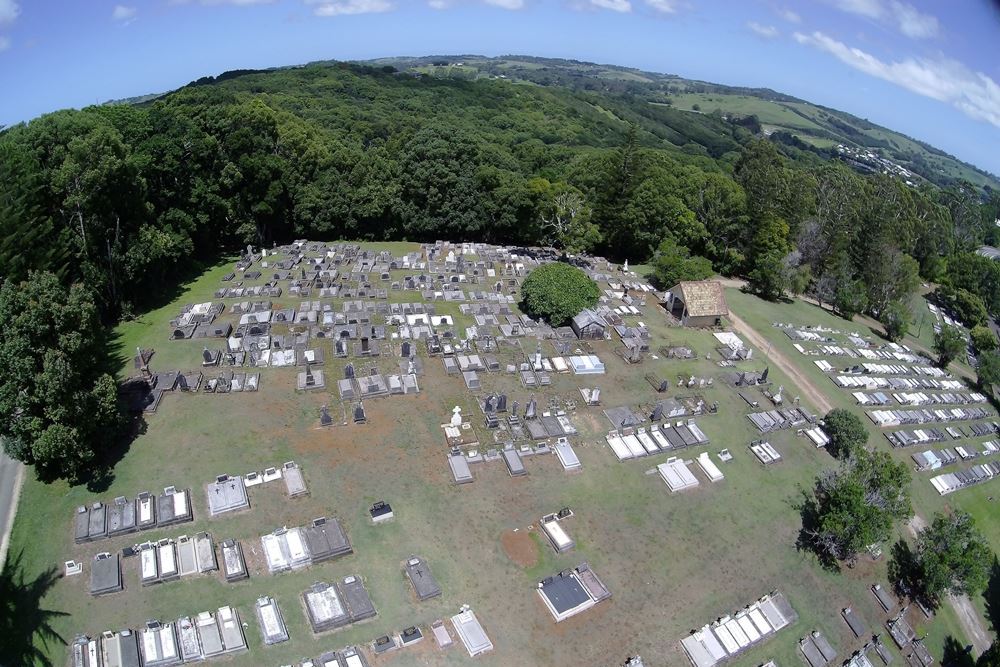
[(587, 317), (704, 298)]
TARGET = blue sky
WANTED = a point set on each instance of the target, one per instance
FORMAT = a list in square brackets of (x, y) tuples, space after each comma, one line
[(929, 69)]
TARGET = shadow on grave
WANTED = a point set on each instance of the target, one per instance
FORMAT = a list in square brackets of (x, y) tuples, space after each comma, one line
[(955, 654), (26, 628)]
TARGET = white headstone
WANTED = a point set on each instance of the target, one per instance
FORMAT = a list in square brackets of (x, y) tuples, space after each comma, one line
[(456, 416)]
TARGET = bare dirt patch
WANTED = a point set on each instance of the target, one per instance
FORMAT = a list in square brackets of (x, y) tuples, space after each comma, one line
[(519, 547)]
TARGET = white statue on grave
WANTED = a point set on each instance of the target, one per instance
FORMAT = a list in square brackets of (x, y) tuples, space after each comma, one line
[(625, 267), (263, 251), (456, 416)]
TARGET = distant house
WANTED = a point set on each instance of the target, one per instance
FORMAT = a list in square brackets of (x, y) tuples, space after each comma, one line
[(588, 324), (697, 304)]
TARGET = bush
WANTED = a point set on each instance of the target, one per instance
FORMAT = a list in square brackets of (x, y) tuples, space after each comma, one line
[(556, 292), (983, 339)]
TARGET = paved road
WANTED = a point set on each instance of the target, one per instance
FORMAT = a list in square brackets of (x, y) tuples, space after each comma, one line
[(11, 476)]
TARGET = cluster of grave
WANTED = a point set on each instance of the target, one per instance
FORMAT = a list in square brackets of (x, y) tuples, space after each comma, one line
[(890, 372), (207, 635), (667, 430)]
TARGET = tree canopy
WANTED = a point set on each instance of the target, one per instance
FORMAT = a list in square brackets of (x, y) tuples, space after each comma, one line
[(952, 556), (57, 407), (122, 197), (847, 432), (949, 343), (857, 505), (556, 292)]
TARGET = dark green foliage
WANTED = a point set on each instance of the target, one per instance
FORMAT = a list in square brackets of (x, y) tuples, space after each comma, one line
[(968, 307), (556, 292), (850, 299), (949, 343), (983, 339), (847, 432), (57, 408), (856, 506), (673, 263), (123, 197), (952, 556), (988, 369), (896, 319)]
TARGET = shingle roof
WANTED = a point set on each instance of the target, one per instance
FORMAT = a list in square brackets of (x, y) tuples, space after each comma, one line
[(704, 298)]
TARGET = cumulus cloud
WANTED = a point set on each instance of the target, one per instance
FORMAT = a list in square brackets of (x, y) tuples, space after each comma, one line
[(904, 17), (9, 10), (942, 79), (614, 5), (765, 31), (352, 7), (124, 14)]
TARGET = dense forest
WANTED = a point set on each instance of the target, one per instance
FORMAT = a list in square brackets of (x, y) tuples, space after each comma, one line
[(122, 198)]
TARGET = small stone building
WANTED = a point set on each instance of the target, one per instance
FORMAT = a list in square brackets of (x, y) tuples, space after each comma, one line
[(588, 324)]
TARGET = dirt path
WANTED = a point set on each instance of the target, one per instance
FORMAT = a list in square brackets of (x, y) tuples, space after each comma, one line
[(968, 617), (811, 391)]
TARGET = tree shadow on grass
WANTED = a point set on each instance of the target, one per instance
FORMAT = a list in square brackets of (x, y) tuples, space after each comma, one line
[(992, 596), (25, 628), (904, 572), (102, 474), (956, 655)]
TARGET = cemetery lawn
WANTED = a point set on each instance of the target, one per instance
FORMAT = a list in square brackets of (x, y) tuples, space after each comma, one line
[(672, 562)]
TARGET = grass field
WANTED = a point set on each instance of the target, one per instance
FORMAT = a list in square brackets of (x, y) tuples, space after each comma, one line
[(672, 562)]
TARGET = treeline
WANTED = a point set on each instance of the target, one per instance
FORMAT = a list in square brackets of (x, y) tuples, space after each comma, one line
[(122, 198)]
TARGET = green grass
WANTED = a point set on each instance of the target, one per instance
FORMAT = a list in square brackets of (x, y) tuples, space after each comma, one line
[(672, 562), (767, 112)]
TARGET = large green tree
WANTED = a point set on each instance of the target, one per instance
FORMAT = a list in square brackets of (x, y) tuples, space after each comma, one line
[(673, 263), (57, 407), (555, 292), (949, 343), (857, 505), (952, 556), (847, 432)]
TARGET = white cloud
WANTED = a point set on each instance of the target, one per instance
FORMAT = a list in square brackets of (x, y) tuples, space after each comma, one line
[(871, 9), (789, 16), (663, 6), (765, 31), (438, 4), (9, 10), (506, 4), (614, 5), (124, 14), (903, 16), (351, 7), (4, 43), (912, 23), (945, 80)]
